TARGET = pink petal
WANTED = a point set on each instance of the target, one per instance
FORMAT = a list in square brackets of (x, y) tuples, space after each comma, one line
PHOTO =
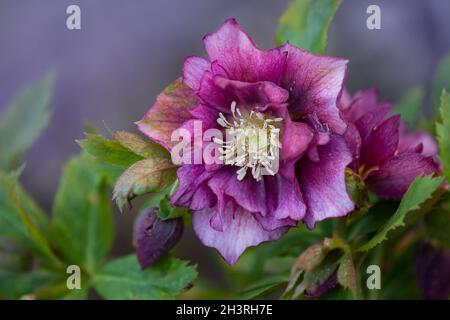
[(240, 231), (395, 175), (315, 84), (409, 141), (323, 182), (193, 70), (381, 143), (171, 110), (235, 51), (362, 103)]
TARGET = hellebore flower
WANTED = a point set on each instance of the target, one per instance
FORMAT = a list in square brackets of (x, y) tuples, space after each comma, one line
[(288, 92), (432, 269), (385, 156)]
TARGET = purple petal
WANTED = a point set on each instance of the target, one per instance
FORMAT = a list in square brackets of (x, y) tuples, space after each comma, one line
[(192, 191), (240, 231), (315, 84), (353, 140), (214, 96), (218, 183), (193, 70), (410, 141), (323, 182), (371, 120), (396, 174), (154, 237), (235, 51), (169, 112), (284, 199), (295, 139), (363, 102), (248, 193), (319, 289), (381, 143), (207, 115), (252, 94)]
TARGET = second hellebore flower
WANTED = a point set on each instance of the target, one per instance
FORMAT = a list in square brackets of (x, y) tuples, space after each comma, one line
[(241, 88), (386, 157)]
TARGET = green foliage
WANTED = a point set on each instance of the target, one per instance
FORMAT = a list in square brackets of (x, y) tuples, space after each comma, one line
[(82, 225), (409, 106), (166, 211), (372, 220), (21, 219), (305, 24), (437, 221), (419, 191), (15, 285), (443, 134), (346, 274), (108, 151), (140, 146), (263, 287), (145, 176), (24, 120), (441, 80), (123, 279), (34, 252)]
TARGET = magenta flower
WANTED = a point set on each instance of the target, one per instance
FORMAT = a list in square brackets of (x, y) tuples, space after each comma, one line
[(241, 88), (384, 155)]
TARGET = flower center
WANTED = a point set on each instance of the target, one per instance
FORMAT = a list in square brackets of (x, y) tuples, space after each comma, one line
[(252, 142)]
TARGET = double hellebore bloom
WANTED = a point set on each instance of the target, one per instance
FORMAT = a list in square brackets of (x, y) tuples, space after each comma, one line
[(385, 156), (286, 91)]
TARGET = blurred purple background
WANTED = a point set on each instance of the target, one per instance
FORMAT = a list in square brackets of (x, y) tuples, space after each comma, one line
[(128, 51)]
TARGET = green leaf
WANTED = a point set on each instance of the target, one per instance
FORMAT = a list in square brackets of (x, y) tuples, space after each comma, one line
[(22, 220), (409, 106), (346, 274), (123, 279), (24, 120), (372, 220), (109, 172), (142, 147), (437, 221), (13, 256), (145, 176), (108, 151), (443, 134), (262, 287), (418, 193), (441, 80), (15, 285), (82, 226), (305, 24), (166, 211)]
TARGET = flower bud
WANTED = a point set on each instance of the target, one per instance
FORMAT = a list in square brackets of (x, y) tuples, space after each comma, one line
[(155, 237)]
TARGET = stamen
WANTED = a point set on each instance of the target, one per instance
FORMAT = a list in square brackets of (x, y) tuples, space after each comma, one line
[(254, 143)]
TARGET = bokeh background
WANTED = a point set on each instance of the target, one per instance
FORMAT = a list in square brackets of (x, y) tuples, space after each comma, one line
[(127, 51)]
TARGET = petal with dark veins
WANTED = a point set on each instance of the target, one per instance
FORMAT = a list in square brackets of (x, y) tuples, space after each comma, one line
[(315, 85), (235, 51), (323, 182), (397, 173), (240, 230)]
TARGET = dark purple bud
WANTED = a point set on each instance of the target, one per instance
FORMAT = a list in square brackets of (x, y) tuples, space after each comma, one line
[(432, 268), (320, 289), (154, 237)]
